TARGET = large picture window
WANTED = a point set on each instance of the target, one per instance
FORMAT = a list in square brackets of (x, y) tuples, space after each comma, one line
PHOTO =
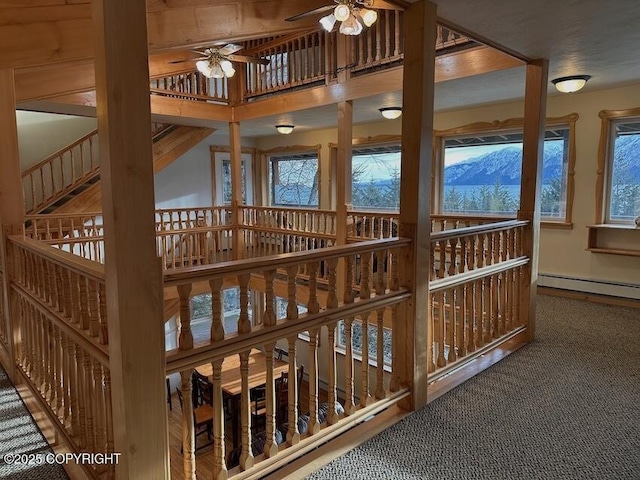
[(293, 179), (480, 169), (622, 201), (221, 168), (375, 177)]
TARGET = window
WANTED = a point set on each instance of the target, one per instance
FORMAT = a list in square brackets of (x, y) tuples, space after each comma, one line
[(375, 174), (481, 169), (222, 175), (201, 313), (622, 189), (293, 179)]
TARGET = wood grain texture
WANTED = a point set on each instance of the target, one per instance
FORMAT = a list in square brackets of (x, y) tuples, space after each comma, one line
[(133, 272)]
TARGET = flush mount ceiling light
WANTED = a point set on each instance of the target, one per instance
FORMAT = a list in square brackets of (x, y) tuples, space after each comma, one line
[(390, 112), (570, 84), (285, 129)]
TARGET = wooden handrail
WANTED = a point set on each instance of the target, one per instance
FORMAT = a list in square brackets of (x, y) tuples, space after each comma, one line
[(87, 268), (487, 228), (185, 275), (182, 359), (192, 96), (441, 284), (58, 153)]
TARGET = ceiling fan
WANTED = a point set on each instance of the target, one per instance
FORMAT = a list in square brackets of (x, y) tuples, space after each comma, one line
[(353, 15), (215, 61)]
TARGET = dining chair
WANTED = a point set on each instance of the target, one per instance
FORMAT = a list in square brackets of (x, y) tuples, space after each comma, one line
[(202, 420), (205, 388)]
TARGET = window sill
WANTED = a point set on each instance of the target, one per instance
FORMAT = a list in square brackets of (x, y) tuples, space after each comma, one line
[(559, 225)]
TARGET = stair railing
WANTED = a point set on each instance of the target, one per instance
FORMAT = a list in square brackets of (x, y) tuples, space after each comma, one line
[(61, 173)]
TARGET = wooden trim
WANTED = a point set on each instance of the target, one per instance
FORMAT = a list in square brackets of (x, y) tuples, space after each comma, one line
[(486, 228), (478, 273), (375, 140), (484, 40), (590, 297), (604, 152)]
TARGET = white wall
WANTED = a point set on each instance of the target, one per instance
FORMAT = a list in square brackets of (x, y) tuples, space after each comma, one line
[(41, 134), (187, 181)]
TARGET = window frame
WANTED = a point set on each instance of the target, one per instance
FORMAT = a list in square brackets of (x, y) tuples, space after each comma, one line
[(609, 118), (290, 150), (506, 126)]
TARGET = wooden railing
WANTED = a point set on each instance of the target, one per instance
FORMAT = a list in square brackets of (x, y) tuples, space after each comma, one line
[(4, 332), (475, 284), (325, 308), (371, 225), (294, 61), (380, 44), (61, 173), (440, 222), (191, 85), (60, 344)]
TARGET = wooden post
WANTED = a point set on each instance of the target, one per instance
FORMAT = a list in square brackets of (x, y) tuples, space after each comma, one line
[(133, 270), (235, 150), (535, 103), (11, 200), (415, 198), (343, 181)]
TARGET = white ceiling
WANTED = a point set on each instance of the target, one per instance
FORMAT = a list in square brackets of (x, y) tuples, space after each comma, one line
[(595, 37)]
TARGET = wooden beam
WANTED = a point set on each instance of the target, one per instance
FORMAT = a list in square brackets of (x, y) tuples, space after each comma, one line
[(535, 103), (57, 31), (133, 271), (235, 152), (11, 204), (415, 199)]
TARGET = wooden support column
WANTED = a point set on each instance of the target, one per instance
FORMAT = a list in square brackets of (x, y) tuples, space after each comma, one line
[(235, 152), (133, 271), (343, 181), (11, 198), (415, 199), (535, 103)]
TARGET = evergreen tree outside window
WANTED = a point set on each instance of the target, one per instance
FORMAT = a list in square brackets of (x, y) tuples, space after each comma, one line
[(623, 204), (376, 177)]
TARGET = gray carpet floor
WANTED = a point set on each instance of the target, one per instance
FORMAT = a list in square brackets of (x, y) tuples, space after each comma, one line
[(566, 406), (19, 434)]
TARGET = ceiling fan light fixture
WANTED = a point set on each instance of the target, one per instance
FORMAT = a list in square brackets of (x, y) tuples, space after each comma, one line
[(369, 17), (216, 71), (571, 83), (351, 26), (342, 12), (227, 68), (328, 22), (285, 129), (204, 68), (390, 113)]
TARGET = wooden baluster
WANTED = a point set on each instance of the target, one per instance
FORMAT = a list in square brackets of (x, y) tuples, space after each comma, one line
[(439, 329), (380, 393), (479, 313), (396, 51), (244, 324), (453, 256), (101, 427), (332, 394), (502, 287), (452, 325), (292, 305), (74, 390), (349, 405), (442, 248), (365, 280), (269, 316), (83, 292), (332, 297), (89, 399), (313, 306), (270, 446), (188, 427), (293, 435), (394, 383), (66, 374), (81, 389), (109, 420), (59, 373), (246, 456), (349, 281), (433, 271), (365, 397), (185, 338), (94, 308), (102, 303), (470, 317), (314, 424), (219, 464)]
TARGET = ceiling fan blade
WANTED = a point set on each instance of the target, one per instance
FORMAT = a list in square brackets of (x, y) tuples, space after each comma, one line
[(243, 58), (200, 52), (315, 11), (188, 60), (230, 48)]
